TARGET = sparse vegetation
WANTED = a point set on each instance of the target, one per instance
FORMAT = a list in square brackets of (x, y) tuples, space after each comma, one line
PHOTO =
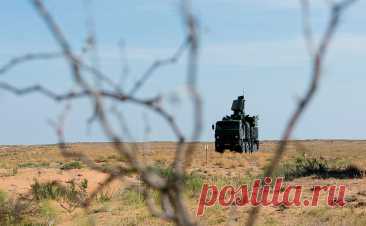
[(33, 165), (14, 171), (73, 195), (47, 211), (107, 167), (304, 166), (129, 205), (103, 196), (17, 212), (132, 196), (2, 196), (193, 181), (49, 190), (116, 157), (162, 170), (10, 172), (71, 165)]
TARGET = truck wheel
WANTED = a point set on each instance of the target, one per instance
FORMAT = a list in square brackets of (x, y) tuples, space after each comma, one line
[(256, 146), (241, 147), (246, 147), (250, 147), (219, 150)]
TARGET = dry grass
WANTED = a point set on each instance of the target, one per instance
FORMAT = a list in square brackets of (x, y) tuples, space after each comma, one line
[(120, 204)]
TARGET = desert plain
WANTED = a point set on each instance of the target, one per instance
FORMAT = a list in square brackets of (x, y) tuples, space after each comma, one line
[(24, 169)]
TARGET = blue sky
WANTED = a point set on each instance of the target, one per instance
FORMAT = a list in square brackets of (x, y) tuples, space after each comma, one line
[(245, 44)]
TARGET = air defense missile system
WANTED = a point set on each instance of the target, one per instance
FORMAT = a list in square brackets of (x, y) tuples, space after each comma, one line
[(238, 131)]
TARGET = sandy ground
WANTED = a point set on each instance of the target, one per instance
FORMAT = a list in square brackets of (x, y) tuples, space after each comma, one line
[(20, 166), (21, 182)]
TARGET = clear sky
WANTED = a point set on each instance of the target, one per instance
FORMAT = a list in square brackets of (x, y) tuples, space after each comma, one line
[(245, 44)]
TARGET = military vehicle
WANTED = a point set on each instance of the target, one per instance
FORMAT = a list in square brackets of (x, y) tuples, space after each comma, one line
[(237, 132)]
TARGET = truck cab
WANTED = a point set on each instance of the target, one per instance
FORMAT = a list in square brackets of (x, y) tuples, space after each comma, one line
[(229, 134), (237, 132)]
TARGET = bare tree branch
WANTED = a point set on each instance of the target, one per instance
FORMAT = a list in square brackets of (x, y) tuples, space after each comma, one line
[(157, 64), (26, 58), (124, 62), (170, 188), (317, 66), (308, 34)]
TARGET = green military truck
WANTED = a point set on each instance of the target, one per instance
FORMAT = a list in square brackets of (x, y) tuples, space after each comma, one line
[(237, 132)]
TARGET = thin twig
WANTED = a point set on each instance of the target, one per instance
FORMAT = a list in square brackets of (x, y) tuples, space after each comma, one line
[(26, 58), (308, 34), (157, 64), (317, 66)]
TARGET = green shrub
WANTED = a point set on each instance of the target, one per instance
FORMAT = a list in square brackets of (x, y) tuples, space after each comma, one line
[(103, 196), (24, 212), (14, 213), (2, 197), (73, 194), (46, 210), (49, 190), (132, 196), (71, 165), (33, 165), (107, 167), (193, 183), (303, 167), (163, 171)]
